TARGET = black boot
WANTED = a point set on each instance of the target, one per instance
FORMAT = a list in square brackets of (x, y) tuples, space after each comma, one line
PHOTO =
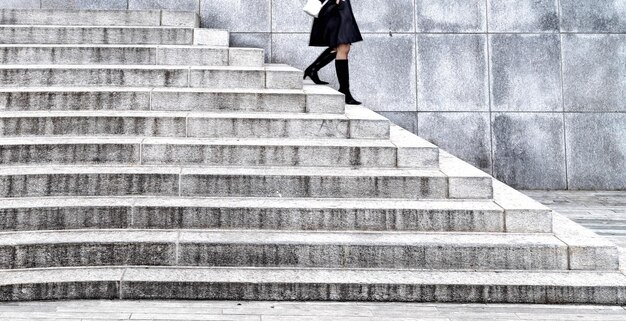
[(343, 75), (324, 59)]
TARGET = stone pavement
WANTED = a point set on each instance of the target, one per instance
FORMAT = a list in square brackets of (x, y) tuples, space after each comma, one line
[(604, 212)]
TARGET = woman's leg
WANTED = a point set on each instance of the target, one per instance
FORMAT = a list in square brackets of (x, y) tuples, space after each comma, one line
[(324, 59), (343, 73)]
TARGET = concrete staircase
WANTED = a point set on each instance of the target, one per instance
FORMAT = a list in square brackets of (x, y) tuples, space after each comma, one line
[(141, 158)]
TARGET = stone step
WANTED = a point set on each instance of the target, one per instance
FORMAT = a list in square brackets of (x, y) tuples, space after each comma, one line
[(30, 54), (135, 35), (293, 284), (23, 214), (311, 99), (297, 182), (198, 151), (214, 77), (192, 124), (401, 250), (98, 17)]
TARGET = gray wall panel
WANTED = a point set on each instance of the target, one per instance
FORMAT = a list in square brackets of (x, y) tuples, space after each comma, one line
[(451, 15), (85, 4), (237, 16), (523, 15), (525, 72), (594, 72), (529, 151), (467, 135), (20, 4), (180, 5), (452, 72), (596, 150), (593, 15)]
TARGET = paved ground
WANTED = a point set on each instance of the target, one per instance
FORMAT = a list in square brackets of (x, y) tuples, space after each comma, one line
[(604, 212)]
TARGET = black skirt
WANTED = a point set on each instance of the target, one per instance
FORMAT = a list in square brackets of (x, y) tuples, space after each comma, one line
[(335, 25)]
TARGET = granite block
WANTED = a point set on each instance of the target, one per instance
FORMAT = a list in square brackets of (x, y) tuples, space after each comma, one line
[(180, 19), (523, 15), (236, 16), (594, 73), (85, 4), (596, 16), (451, 16), (525, 73), (452, 73), (29, 154), (75, 100), (465, 135), (529, 151), (596, 150)]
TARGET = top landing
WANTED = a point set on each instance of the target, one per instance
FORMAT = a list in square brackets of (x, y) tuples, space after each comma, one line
[(99, 17)]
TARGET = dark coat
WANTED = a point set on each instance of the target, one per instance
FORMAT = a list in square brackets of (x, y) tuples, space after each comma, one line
[(335, 25)]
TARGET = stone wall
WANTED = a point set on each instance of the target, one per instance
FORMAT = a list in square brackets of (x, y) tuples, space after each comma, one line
[(532, 91)]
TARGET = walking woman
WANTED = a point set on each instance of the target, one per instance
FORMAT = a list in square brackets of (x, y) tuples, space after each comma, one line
[(336, 29)]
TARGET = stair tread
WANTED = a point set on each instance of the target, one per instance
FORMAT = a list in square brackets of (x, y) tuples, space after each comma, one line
[(304, 142), (168, 114), (153, 89), (97, 27), (256, 237), (221, 170), (257, 202), (565, 278)]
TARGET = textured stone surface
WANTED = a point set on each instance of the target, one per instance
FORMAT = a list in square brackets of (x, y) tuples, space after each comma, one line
[(38, 55), (211, 37), (80, 18), (114, 152), (269, 152), (58, 218), (594, 72), (300, 182), (596, 150), (287, 16), (20, 4), (464, 180), (210, 100), (193, 56), (253, 40), (386, 16), (76, 99), (85, 4), (95, 35), (593, 15), (227, 78), (522, 214), (178, 5), (236, 16), (529, 150), (525, 73), (452, 73), (451, 15), (523, 15), (375, 75), (466, 135), (404, 119)]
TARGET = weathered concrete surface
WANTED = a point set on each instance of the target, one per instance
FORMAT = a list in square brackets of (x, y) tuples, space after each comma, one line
[(529, 150), (451, 16), (525, 73), (467, 134), (594, 73), (596, 154), (523, 15), (452, 73)]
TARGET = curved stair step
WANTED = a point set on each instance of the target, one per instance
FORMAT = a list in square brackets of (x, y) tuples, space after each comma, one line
[(173, 283), (401, 250)]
